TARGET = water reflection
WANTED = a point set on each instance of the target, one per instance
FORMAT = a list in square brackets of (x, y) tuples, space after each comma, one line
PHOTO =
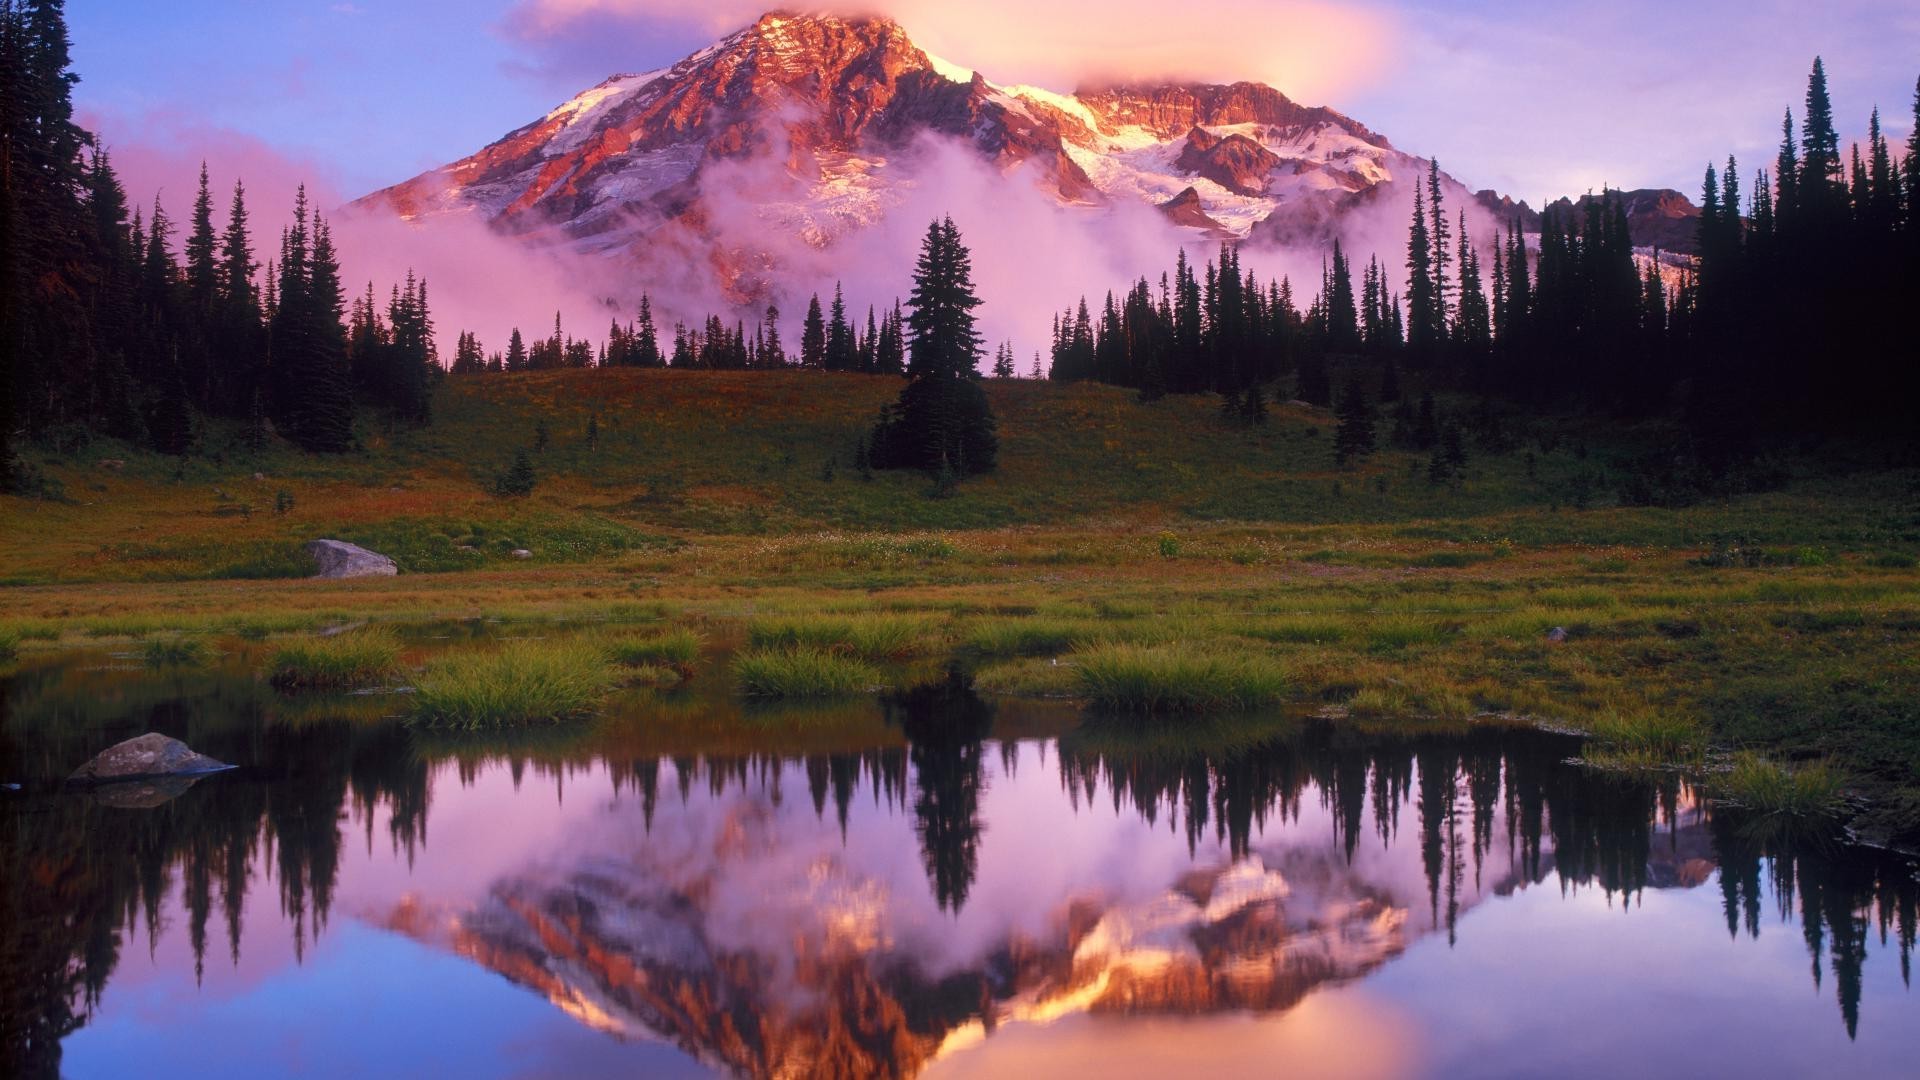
[(952, 872)]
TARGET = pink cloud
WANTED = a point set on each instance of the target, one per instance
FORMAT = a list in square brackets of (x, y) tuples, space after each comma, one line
[(158, 153), (1313, 50), (480, 280)]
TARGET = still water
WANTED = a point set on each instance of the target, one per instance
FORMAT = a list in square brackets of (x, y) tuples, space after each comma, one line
[(928, 885)]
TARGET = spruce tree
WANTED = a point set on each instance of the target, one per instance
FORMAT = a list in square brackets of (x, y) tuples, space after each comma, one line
[(1436, 210), (516, 358), (647, 337), (840, 351), (942, 423), (1311, 383), (813, 337), (1911, 171), (203, 274), (1423, 338), (1786, 177), (239, 360), (1820, 176), (1343, 324), (1353, 437)]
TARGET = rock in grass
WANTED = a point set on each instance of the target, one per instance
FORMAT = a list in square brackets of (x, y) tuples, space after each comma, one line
[(1557, 634), (150, 755), (339, 559)]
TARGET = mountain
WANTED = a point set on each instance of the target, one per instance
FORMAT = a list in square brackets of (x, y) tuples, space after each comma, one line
[(1656, 217), (813, 127)]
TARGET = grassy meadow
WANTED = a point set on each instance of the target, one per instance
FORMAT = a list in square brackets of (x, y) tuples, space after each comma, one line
[(1137, 558)]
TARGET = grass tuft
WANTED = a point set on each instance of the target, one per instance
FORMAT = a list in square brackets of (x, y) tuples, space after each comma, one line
[(870, 637), (331, 663), (523, 682), (677, 648), (1645, 740), (1767, 787), (802, 672), (1021, 636), (1176, 678), (174, 652)]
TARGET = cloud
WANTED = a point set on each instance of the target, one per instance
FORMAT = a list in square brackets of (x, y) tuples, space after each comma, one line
[(1313, 50), (157, 153), (479, 279)]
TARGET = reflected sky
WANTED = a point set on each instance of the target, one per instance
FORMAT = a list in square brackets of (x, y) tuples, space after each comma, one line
[(405, 976), (930, 883)]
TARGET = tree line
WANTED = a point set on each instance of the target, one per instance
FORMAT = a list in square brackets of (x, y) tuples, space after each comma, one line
[(123, 321), (1792, 320)]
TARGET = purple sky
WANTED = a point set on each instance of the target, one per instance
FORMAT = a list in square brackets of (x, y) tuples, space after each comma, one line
[(1536, 99)]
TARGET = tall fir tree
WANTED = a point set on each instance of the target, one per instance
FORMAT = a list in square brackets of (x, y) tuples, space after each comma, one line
[(840, 350), (1423, 337), (942, 423), (813, 337)]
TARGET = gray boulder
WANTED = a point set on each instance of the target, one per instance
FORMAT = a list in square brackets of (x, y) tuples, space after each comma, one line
[(141, 794), (1557, 634), (148, 756), (339, 559)]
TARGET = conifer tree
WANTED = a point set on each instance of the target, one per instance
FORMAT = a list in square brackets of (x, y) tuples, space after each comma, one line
[(312, 380), (942, 423), (1423, 337), (813, 337), (203, 275), (1353, 436), (1786, 177), (772, 352), (647, 338), (1436, 210), (840, 352), (516, 358), (1312, 384), (1911, 172), (1343, 325), (1003, 361), (1820, 176), (1473, 325), (239, 345)]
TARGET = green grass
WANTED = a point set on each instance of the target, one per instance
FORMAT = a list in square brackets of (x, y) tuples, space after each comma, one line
[(1643, 740), (1401, 701), (802, 672), (174, 652), (9, 645), (1176, 678), (520, 683), (1372, 588), (1767, 787), (1022, 635), (869, 637), (355, 658), (677, 649), (1393, 633)]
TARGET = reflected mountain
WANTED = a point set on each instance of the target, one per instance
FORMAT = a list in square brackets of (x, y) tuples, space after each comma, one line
[(852, 892)]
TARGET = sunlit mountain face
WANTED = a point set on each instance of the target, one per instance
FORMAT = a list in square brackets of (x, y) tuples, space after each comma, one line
[(799, 132), (931, 884)]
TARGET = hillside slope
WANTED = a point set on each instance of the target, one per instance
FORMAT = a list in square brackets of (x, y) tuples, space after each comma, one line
[(682, 454)]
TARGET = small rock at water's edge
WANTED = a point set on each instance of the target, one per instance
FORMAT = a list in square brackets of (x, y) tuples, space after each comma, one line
[(339, 559), (146, 756)]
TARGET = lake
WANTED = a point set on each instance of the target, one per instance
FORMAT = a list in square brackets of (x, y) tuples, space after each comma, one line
[(924, 884)]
